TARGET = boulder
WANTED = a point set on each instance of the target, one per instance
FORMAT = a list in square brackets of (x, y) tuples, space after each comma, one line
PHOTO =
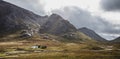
[(26, 35)]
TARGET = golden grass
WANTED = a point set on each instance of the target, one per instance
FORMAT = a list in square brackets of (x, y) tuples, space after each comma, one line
[(69, 55), (55, 50)]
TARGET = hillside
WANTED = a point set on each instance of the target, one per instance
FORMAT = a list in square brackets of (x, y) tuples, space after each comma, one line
[(116, 40), (92, 34)]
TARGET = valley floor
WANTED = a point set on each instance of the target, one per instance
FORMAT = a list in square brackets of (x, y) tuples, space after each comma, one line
[(55, 50)]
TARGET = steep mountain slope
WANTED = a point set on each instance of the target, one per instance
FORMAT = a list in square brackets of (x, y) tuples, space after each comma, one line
[(91, 34), (14, 18), (57, 25)]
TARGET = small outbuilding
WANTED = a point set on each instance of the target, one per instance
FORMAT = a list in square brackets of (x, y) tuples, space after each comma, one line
[(39, 46)]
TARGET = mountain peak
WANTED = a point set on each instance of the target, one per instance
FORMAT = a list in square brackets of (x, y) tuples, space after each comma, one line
[(56, 16), (57, 25)]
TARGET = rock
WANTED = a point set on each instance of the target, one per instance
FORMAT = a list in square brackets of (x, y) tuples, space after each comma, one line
[(26, 35)]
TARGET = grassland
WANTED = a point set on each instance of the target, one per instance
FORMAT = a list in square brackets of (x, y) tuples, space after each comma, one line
[(21, 49)]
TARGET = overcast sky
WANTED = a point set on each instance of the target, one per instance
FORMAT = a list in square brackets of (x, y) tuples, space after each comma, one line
[(102, 16)]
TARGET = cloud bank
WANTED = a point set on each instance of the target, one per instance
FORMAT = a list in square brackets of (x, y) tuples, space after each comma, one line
[(111, 5)]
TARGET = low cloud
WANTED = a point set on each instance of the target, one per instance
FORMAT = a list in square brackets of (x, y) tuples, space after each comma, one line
[(111, 5), (81, 18)]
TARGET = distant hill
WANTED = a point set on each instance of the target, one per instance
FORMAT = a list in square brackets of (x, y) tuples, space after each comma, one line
[(92, 34), (116, 40)]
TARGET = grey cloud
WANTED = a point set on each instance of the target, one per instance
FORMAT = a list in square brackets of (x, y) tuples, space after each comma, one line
[(112, 30), (111, 5), (81, 18), (107, 27), (32, 5)]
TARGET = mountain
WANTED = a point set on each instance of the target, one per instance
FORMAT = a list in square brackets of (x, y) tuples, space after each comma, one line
[(92, 34), (116, 40), (57, 25), (14, 18)]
